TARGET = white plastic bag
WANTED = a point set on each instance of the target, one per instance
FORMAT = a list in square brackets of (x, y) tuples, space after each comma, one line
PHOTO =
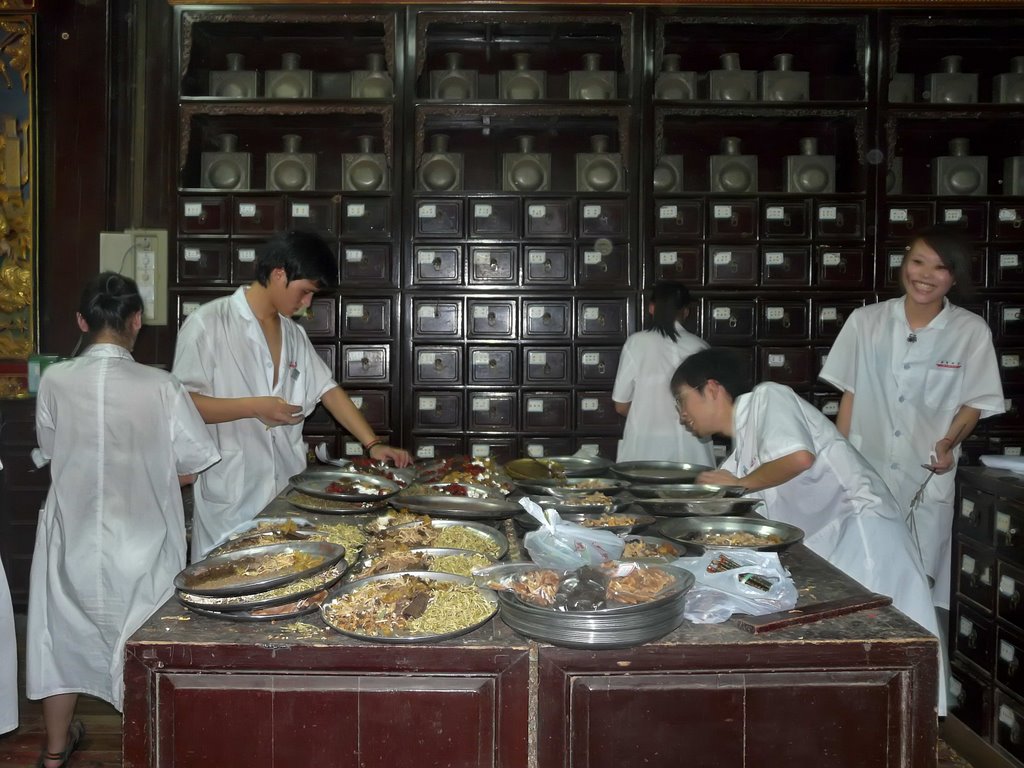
[(567, 546), (717, 596)]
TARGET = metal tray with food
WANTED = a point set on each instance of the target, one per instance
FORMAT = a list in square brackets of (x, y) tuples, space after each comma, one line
[(464, 469), (698, 507), (556, 467), (367, 466), (572, 486), (684, 491), (462, 490), (581, 502), (460, 562), (458, 507), (322, 506), (461, 534), (256, 569), (292, 610), (338, 485), (651, 549), (409, 607), (658, 471), (618, 522), (285, 593), (276, 521), (698, 534)]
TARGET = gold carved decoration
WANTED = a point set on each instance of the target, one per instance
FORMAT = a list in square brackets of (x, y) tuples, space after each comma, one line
[(17, 195)]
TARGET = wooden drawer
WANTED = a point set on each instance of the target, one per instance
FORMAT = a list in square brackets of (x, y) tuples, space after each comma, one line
[(375, 405), (679, 218), (491, 318), (437, 410), (1009, 529), (1009, 724), (203, 216), (258, 216), (492, 411), (436, 318), (493, 265), (367, 317), (1010, 594), (494, 217), (366, 264), (596, 366), (682, 263), (785, 265), (547, 366), (439, 218), (842, 268), (603, 319), (604, 267), (547, 218), (785, 219), (501, 449), (975, 638), (366, 218), (970, 699), (548, 265), (975, 573), (365, 363), (437, 264), (322, 318), (792, 366), (437, 366), (547, 319), (547, 411), (603, 218), (975, 514), (732, 265), (491, 365), (732, 219), (1009, 671), (784, 321), (203, 261), (312, 214), (829, 316), (839, 220), (596, 412)]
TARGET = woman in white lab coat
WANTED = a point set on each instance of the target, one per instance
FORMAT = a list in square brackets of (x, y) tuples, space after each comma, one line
[(641, 392), (111, 534), (916, 374)]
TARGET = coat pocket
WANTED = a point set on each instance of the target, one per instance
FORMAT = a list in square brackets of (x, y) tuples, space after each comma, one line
[(942, 387)]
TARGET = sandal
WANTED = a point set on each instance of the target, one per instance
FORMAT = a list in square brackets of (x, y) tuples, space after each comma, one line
[(76, 731)]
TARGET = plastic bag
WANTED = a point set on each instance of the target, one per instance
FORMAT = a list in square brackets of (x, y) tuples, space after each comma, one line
[(717, 596), (567, 546)]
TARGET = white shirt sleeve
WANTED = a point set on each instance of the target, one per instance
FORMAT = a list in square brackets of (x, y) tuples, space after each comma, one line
[(625, 376), (840, 369), (191, 444), (45, 429), (778, 424), (193, 364), (982, 388)]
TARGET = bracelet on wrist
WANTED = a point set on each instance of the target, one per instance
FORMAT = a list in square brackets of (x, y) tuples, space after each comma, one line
[(369, 446)]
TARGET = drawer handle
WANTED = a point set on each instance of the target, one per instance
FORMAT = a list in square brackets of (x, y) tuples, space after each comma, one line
[(438, 364), (492, 363), (1015, 599), (202, 217), (786, 321), (601, 367), (494, 265), (365, 362), (547, 265), (787, 221), (492, 319), (839, 220), (1011, 668), (972, 639), (733, 322), (436, 263)]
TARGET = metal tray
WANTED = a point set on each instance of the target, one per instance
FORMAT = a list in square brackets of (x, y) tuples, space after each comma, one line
[(688, 530), (607, 485), (473, 491), (698, 507), (641, 519), (332, 507), (658, 471), (561, 505), (314, 482), (684, 491), (207, 577), (354, 573), (353, 586), (487, 531), (458, 507), (247, 615), (678, 549), (261, 538), (562, 466), (326, 578), (278, 520)]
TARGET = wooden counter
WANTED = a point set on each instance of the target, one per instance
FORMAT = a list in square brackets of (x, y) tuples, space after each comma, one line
[(858, 690)]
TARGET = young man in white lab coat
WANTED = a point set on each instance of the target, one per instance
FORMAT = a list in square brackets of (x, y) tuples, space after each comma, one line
[(792, 457), (254, 376)]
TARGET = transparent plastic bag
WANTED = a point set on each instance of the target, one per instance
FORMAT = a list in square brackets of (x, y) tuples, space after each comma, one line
[(567, 546), (717, 596)]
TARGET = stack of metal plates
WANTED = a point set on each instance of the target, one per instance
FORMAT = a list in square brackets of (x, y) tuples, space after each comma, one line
[(615, 626)]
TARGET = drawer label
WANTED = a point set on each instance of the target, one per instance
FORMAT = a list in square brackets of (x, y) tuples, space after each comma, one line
[(536, 211), (1007, 586), (247, 255), (425, 257), (353, 254), (774, 258), (535, 450), (536, 313), (355, 210), (830, 408), (480, 450), (538, 358), (829, 313), (426, 311), (831, 259), (480, 312), (954, 687), (589, 404), (966, 508), (591, 211), (1007, 214), (1011, 260), (193, 209), (537, 257), (667, 257), (668, 212), (895, 260), (591, 358), (592, 257), (723, 212), (827, 213), (591, 313), (246, 210), (986, 577), (1002, 522), (193, 254), (355, 355), (721, 313), (1006, 651), (357, 400), (952, 215), (188, 307), (775, 213), (429, 358), (776, 361), (967, 564), (774, 313), (481, 358), (966, 627), (722, 258), (1010, 314), (353, 448), (1011, 450), (534, 405), (427, 403), (300, 210), (1010, 361), (482, 258), (354, 310), (428, 211), (481, 403), (1006, 716), (425, 452), (897, 214), (482, 210)]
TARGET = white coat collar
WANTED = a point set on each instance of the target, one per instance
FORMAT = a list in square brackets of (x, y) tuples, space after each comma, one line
[(107, 350), (898, 312)]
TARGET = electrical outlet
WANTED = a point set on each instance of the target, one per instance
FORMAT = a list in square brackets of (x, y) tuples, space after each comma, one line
[(140, 254)]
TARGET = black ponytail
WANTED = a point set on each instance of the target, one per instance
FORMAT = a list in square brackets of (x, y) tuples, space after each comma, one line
[(669, 300)]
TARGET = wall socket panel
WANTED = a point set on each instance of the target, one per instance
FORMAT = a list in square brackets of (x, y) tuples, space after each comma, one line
[(140, 254)]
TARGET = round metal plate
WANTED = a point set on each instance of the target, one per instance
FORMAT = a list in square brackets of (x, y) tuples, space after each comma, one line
[(249, 615), (315, 481), (229, 604), (560, 466), (689, 531), (481, 529), (565, 505), (430, 552), (322, 506), (698, 507), (639, 520), (459, 507), (680, 491), (219, 576), (427, 576), (654, 541), (658, 471)]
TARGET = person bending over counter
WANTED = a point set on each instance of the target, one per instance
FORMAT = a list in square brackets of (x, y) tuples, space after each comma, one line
[(254, 376)]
